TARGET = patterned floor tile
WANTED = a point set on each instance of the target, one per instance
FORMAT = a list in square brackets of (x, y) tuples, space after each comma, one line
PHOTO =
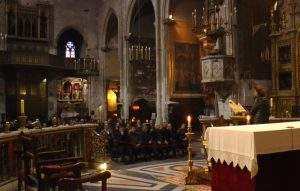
[(164, 176)]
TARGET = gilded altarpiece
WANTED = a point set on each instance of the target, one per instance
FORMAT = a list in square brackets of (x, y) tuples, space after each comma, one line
[(285, 60), (285, 74)]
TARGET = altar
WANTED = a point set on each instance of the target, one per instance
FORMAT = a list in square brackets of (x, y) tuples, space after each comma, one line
[(255, 157)]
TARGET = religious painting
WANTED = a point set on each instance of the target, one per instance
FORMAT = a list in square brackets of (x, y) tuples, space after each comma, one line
[(70, 90), (186, 72)]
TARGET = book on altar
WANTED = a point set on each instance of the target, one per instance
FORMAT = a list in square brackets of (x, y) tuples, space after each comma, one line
[(236, 108)]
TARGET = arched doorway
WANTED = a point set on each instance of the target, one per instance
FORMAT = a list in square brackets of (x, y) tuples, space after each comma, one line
[(142, 54), (112, 67)]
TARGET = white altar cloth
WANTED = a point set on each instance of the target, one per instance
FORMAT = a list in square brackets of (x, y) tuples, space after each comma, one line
[(240, 145)]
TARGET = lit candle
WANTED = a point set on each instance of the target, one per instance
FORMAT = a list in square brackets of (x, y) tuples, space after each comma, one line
[(225, 12), (194, 15), (149, 53), (189, 119), (130, 53), (142, 52), (102, 167), (248, 117), (271, 102), (22, 107)]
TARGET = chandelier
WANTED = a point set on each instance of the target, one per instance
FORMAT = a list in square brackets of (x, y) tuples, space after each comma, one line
[(139, 52), (139, 49), (3, 43), (83, 66)]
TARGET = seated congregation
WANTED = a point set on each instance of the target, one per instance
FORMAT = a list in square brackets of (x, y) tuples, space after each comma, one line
[(136, 141)]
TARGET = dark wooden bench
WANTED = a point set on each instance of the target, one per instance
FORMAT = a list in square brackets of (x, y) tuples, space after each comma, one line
[(42, 169), (72, 184)]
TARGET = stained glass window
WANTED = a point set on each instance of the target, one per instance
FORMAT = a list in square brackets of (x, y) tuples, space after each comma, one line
[(70, 50)]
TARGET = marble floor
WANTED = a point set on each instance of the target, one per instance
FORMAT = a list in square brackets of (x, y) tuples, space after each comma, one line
[(164, 175)]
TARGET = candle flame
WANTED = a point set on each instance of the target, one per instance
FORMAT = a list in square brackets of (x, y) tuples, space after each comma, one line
[(189, 118), (102, 167), (248, 117)]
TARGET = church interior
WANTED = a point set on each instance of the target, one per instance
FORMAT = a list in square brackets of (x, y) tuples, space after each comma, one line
[(129, 95)]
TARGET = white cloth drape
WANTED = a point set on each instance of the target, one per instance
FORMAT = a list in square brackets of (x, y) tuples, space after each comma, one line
[(240, 145)]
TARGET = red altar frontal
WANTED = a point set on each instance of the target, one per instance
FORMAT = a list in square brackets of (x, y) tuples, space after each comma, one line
[(255, 157)]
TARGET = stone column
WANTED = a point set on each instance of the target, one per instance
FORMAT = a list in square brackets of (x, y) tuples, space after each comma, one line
[(101, 90), (159, 70), (95, 96), (52, 98), (3, 25), (125, 91), (164, 61)]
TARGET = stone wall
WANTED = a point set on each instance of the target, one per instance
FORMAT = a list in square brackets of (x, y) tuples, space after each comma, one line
[(2, 95), (92, 25)]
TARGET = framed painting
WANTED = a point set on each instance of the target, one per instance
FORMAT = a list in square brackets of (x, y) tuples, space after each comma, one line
[(186, 71)]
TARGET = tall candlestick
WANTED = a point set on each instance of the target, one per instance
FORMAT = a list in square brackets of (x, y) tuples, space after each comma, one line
[(190, 176), (22, 107), (142, 52), (130, 53), (195, 17), (149, 53), (215, 17)]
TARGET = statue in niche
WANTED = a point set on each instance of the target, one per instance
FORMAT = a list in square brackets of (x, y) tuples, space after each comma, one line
[(76, 93), (219, 48)]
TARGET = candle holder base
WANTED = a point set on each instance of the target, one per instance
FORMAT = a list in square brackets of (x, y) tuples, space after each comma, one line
[(23, 120), (6, 127), (198, 176)]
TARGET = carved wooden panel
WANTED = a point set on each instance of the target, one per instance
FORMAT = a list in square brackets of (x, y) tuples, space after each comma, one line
[(217, 69), (284, 106)]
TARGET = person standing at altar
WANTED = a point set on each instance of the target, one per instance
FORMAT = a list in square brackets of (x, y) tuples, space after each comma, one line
[(260, 111)]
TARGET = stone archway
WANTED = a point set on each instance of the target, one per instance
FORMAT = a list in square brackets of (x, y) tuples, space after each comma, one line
[(141, 51), (112, 65)]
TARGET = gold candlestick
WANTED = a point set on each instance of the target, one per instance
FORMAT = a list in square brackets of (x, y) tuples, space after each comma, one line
[(199, 174), (22, 120), (189, 135), (6, 127), (22, 117), (22, 109)]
